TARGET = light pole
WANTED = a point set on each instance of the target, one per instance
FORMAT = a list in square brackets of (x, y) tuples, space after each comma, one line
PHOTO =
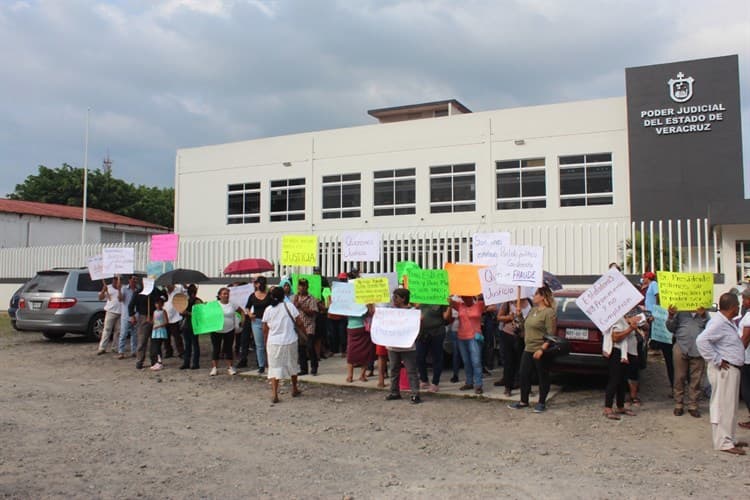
[(85, 178)]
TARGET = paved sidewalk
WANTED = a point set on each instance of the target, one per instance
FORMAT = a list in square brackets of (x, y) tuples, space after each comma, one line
[(332, 371)]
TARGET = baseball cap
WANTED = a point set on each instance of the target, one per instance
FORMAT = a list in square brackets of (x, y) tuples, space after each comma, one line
[(649, 275)]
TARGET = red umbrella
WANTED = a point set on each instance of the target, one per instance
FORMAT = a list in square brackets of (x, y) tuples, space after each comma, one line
[(248, 266)]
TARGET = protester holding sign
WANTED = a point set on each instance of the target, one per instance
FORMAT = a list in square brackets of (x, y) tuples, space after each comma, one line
[(403, 355), (307, 305), (511, 319), (192, 351), (618, 343), (360, 351), (281, 341), (650, 290), (222, 340), (688, 363), (430, 340), (113, 310), (470, 310), (127, 330), (255, 307)]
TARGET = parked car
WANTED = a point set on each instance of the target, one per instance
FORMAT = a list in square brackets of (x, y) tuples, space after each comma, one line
[(60, 301), (584, 337), (13, 306)]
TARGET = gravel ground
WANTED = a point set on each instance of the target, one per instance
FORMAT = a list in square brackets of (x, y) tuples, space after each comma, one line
[(76, 425)]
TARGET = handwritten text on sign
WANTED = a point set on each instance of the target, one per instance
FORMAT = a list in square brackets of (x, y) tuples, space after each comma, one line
[(428, 286), (608, 299), (372, 291), (498, 294), (96, 269), (299, 250), (519, 265), (117, 261), (342, 300), (485, 246), (360, 247), (394, 327), (686, 291), (659, 330)]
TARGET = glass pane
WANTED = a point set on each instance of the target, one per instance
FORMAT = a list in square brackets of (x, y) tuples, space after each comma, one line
[(604, 200), (464, 208), (572, 202), (278, 184), (348, 214), (463, 187), (383, 211), (297, 199), (297, 182), (599, 157), (383, 193), (331, 178), (278, 218), (440, 209), (534, 203), (508, 205), (252, 203), (234, 204), (441, 189), (599, 179), (572, 181), (445, 169), (278, 201), (296, 216), (534, 162), (350, 177), (405, 210), (570, 160), (350, 195), (235, 187), (466, 167), (534, 183), (86, 285), (509, 185), (235, 220), (252, 185), (406, 172), (332, 196), (502, 165), (252, 219), (405, 192), (383, 174), (332, 215)]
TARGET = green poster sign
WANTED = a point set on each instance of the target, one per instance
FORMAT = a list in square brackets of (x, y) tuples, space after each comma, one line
[(207, 318), (313, 280), (403, 266), (428, 286)]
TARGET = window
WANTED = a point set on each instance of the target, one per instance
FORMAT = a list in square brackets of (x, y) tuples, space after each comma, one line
[(395, 192), (341, 196), (243, 203), (521, 184), (452, 188), (586, 180), (288, 200)]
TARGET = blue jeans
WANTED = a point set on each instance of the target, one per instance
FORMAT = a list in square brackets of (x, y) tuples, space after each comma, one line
[(434, 345), (127, 330), (471, 353), (260, 344)]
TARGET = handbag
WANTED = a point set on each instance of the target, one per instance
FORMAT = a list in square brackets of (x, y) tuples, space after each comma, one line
[(301, 334), (558, 346)]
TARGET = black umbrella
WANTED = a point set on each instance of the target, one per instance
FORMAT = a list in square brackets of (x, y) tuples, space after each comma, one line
[(178, 276), (551, 281)]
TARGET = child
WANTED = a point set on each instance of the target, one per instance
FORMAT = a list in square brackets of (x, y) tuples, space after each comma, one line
[(158, 334)]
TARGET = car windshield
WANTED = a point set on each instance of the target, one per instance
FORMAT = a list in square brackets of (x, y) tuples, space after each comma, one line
[(567, 310), (47, 283)]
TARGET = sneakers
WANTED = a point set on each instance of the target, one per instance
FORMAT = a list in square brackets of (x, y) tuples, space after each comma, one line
[(156, 367), (213, 372), (231, 371), (415, 400), (539, 408), (466, 387), (518, 406)]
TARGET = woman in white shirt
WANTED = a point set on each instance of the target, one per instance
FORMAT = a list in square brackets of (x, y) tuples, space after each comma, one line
[(279, 319), (618, 342), (221, 341)]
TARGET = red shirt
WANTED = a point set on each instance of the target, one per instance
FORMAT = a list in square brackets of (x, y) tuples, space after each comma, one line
[(469, 319)]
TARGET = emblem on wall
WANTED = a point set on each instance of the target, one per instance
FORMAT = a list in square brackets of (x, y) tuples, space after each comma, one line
[(681, 88)]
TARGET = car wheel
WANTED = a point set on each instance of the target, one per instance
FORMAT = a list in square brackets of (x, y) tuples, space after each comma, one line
[(96, 327), (53, 335)]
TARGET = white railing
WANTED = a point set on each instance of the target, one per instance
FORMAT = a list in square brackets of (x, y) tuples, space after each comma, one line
[(569, 249)]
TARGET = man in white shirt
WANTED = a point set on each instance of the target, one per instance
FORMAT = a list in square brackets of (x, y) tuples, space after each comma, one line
[(744, 330), (112, 309)]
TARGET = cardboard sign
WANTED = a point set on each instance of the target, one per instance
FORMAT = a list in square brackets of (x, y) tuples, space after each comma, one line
[(608, 299), (685, 291), (96, 268), (360, 247), (485, 246), (238, 295), (118, 261), (164, 247), (299, 250), (391, 277), (402, 267), (156, 269), (428, 286), (371, 291), (659, 330), (463, 279), (148, 286), (519, 265), (342, 300), (314, 284), (207, 318), (499, 294), (394, 327)]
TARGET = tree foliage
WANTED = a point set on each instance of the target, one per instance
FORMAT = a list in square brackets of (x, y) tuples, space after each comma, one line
[(64, 186)]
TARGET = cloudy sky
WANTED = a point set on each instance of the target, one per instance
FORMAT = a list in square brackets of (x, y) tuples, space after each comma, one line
[(163, 74)]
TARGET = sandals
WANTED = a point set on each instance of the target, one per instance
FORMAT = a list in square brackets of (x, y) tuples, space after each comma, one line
[(296, 393), (610, 414), (625, 411), (744, 425)]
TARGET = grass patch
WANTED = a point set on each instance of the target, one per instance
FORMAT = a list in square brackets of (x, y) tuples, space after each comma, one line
[(5, 329)]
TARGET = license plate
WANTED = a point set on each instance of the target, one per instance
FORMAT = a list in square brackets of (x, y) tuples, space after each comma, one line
[(576, 334), (35, 305)]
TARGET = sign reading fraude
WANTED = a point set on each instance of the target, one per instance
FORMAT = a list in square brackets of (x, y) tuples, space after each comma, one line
[(519, 265), (428, 286), (372, 290), (685, 291), (608, 299), (497, 294), (299, 250), (395, 327)]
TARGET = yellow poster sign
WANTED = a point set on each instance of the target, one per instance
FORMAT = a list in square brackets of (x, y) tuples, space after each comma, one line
[(372, 291), (299, 250), (685, 291)]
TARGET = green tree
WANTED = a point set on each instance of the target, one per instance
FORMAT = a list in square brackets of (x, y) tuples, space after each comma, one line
[(64, 186), (634, 256)]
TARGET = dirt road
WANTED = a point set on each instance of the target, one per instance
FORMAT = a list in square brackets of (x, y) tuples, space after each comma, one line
[(76, 425)]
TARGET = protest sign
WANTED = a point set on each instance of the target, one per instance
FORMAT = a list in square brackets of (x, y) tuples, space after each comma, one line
[(314, 284), (428, 286), (326, 292), (484, 248), (392, 279), (686, 291), (608, 299), (498, 294), (96, 269), (360, 247), (207, 318), (659, 330), (299, 250), (395, 327), (519, 265), (342, 300), (148, 286), (117, 261), (164, 247), (371, 291), (156, 269), (463, 279), (402, 267), (238, 295)]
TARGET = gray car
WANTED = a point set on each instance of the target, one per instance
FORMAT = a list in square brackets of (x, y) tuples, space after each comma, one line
[(60, 301)]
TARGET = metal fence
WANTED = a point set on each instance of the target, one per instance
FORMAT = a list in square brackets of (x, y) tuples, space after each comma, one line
[(569, 249)]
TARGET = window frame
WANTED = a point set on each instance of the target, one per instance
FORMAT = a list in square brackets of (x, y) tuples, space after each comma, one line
[(287, 215), (248, 189), (341, 211), (587, 198), (520, 170), (407, 208), (454, 205)]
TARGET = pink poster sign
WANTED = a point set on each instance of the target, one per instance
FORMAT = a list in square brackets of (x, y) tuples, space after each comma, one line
[(164, 247)]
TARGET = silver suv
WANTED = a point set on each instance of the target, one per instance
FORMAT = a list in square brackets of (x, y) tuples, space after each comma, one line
[(60, 301)]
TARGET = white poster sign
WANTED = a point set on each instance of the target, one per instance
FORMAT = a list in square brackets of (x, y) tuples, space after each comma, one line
[(394, 327), (608, 299), (96, 269), (360, 246), (148, 286), (485, 246), (118, 261), (342, 300), (238, 295), (392, 279), (497, 294), (519, 265)]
